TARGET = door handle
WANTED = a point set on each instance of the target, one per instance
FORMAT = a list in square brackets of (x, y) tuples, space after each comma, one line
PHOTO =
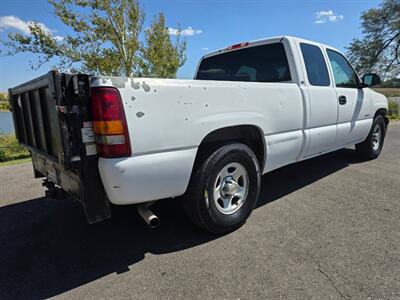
[(342, 100)]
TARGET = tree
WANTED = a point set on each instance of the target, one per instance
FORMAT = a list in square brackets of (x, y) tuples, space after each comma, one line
[(3, 97), (104, 40), (379, 49), (161, 57)]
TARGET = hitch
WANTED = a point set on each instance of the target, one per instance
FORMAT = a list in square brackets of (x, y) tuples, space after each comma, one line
[(53, 191)]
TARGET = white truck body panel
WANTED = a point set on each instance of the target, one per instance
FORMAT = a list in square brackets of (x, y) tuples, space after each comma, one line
[(168, 119)]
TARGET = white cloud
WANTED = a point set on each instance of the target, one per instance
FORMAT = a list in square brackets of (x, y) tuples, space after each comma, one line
[(325, 16), (204, 49), (12, 22), (15, 23), (173, 31), (185, 32)]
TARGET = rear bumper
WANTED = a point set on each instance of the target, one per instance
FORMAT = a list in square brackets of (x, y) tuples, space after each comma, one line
[(147, 177)]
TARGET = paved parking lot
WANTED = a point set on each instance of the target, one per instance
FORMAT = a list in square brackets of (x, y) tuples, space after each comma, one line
[(327, 228)]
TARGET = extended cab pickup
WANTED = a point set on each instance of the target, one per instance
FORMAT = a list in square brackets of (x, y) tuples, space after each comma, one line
[(251, 108)]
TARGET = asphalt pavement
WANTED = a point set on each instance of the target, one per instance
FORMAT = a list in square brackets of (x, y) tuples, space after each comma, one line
[(326, 228)]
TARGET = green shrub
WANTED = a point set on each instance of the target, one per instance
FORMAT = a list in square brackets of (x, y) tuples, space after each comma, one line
[(393, 109), (10, 149), (4, 105), (2, 154), (3, 97)]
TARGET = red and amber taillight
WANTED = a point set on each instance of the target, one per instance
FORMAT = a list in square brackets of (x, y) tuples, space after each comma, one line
[(109, 123)]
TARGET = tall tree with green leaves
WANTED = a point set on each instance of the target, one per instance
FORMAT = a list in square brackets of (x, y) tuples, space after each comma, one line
[(379, 49), (160, 57), (105, 38)]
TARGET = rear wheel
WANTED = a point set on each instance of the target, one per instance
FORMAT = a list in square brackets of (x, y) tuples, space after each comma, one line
[(224, 189), (372, 146)]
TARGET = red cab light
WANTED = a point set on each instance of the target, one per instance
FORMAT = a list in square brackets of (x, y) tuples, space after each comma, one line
[(109, 123), (237, 46)]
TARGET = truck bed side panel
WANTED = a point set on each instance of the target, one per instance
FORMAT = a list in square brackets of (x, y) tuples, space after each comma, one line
[(166, 118)]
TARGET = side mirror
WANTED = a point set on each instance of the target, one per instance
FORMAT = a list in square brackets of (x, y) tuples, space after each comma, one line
[(371, 80)]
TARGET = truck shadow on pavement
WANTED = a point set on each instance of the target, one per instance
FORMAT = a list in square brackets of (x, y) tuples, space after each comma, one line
[(46, 247)]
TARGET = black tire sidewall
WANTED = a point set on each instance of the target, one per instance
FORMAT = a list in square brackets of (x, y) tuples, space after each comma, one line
[(219, 222), (380, 121)]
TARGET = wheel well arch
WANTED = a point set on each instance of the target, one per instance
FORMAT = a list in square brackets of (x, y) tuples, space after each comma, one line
[(250, 135), (384, 113)]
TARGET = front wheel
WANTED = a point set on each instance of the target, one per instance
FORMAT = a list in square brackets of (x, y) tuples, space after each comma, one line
[(372, 146), (224, 189)]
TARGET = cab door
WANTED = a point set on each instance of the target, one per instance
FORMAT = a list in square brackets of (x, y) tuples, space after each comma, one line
[(321, 105), (354, 119)]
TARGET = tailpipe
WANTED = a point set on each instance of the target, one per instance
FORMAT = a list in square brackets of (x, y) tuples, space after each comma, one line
[(148, 216)]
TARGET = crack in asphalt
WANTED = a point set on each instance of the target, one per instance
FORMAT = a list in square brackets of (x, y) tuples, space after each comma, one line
[(319, 269)]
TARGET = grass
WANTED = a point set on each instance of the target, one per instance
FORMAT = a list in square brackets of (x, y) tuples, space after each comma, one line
[(388, 92), (14, 162), (11, 153), (10, 149)]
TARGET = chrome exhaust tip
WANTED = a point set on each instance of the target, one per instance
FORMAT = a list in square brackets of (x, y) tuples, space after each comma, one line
[(148, 216)]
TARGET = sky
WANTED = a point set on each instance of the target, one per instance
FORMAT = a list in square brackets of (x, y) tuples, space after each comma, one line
[(207, 25)]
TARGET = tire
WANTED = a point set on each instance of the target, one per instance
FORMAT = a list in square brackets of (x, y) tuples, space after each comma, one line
[(372, 146), (224, 189)]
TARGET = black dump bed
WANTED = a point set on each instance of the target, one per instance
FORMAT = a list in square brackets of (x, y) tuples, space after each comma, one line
[(52, 118)]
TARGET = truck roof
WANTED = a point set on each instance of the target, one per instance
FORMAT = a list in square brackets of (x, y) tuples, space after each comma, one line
[(266, 40)]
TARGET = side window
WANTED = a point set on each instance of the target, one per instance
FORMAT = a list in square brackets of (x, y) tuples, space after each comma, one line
[(317, 71), (342, 71)]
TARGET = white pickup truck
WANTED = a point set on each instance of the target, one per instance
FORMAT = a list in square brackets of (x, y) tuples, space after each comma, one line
[(251, 108)]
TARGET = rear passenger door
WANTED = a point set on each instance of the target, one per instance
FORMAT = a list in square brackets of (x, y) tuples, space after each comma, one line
[(320, 101)]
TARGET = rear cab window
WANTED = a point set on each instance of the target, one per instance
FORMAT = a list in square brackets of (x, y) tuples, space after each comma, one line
[(263, 63), (317, 71)]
